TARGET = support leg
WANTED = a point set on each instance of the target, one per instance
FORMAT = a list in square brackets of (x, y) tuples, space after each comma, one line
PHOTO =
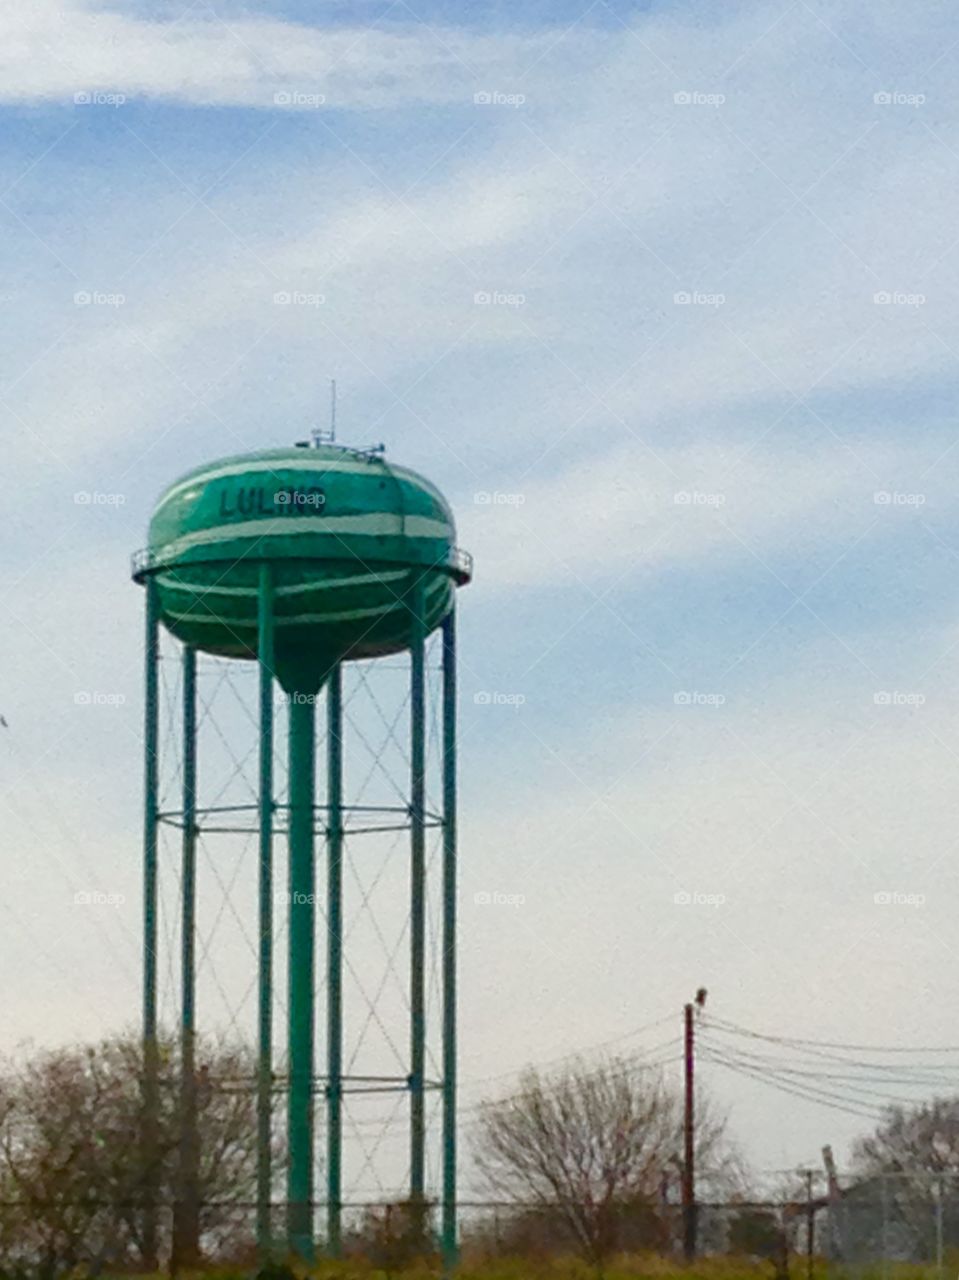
[(264, 1092), (334, 1032), (417, 898), (187, 1217), (301, 976), (449, 1242), (150, 1054)]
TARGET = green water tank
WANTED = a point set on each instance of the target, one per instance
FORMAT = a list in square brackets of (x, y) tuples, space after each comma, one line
[(345, 532)]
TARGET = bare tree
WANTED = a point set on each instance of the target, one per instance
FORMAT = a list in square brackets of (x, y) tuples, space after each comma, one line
[(909, 1166), (923, 1139), (394, 1237), (596, 1146), (72, 1173)]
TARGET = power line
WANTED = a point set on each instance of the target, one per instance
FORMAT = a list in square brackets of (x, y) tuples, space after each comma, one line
[(778, 1076), (579, 1053), (855, 1073), (793, 1041), (635, 1062), (827, 1099)]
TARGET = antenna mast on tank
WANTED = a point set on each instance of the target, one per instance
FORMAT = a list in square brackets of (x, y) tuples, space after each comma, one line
[(328, 436), (320, 437)]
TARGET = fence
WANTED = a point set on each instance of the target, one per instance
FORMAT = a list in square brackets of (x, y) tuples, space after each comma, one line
[(888, 1227), (60, 1236), (880, 1224)]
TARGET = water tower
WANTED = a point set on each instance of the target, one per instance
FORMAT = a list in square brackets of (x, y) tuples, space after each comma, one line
[(310, 562)]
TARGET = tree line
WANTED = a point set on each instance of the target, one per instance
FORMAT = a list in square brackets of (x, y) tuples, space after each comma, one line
[(590, 1157)]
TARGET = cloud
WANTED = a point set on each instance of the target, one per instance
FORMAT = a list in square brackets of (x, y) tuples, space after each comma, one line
[(600, 205), (640, 510), (600, 431), (817, 806), (57, 50)]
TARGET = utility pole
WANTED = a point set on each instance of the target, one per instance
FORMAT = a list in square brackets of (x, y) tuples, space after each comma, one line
[(690, 1208), (835, 1219), (689, 1145), (810, 1224)]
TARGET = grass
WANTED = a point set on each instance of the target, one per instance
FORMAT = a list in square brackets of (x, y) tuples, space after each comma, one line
[(637, 1266), (631, 1267)]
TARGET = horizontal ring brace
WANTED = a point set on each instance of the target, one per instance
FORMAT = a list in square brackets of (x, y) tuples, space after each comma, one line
[(280, 830), (285, 808), (321, 1087), (280, 1078)]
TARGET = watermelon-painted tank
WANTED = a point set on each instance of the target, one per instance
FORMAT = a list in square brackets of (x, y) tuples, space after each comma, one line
[(345, 534)]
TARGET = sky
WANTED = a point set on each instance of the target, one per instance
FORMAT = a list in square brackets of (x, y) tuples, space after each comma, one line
[(664, 297)]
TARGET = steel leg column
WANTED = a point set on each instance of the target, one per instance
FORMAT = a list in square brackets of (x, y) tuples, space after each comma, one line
[(449, 1243), (264, 1093), (187, 1224), (301, 975), (150, 1056), (334, 994), (417, 897)]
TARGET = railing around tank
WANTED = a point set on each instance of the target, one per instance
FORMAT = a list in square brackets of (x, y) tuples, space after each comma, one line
[(460, 561), (141, 562)]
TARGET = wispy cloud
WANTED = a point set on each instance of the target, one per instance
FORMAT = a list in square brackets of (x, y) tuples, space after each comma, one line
[(57, 51), (678, 333)]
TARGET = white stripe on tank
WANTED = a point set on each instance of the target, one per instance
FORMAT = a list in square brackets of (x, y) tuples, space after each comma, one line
[(309, 467), (298, 619), (256, 466), (326, 584), (372, 524)]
